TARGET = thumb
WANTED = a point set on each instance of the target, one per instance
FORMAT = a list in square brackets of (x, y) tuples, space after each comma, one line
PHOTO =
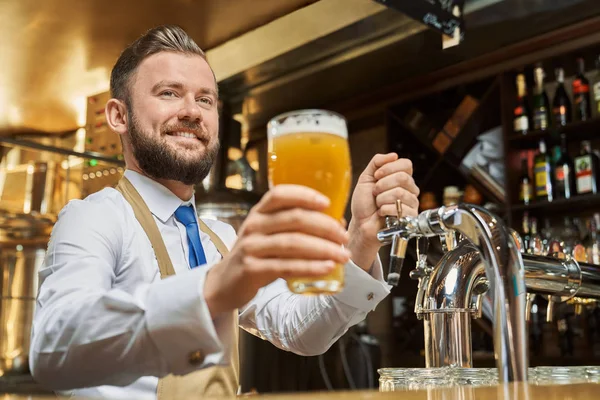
[(378, 161)]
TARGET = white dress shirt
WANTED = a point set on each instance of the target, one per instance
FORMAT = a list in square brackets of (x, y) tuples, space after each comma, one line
[(106, 325)]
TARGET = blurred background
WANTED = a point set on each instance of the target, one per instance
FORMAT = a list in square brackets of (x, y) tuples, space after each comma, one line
[(468, 90)]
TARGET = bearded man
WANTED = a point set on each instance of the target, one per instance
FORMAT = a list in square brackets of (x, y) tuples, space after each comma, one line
[(139, 298)]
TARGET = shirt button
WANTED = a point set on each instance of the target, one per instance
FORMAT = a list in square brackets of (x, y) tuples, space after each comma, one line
[(370, 296), (196, 357)]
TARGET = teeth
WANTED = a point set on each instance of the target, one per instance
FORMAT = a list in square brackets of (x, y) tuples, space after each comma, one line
[(184, 134)]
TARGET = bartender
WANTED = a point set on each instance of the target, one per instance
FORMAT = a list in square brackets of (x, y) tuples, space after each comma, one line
[(140, 299)]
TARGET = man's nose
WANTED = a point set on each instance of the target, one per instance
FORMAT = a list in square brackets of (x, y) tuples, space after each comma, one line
[(190, 110)]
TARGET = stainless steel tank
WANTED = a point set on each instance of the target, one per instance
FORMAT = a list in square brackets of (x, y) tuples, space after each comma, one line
[(23, 241)]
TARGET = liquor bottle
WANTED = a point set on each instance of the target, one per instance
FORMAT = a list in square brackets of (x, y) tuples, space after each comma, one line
[(552, 246), (541, 106), (564, 172), (525, 189), (521, 112), (536, 244), (561, 105), (586, 170), (526, 236), (572, 243), (596, 88), (547, 232), (543, 174), (581, 93), (593, 245)]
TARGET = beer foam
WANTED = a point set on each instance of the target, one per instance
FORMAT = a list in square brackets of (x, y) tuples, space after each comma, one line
[(307, 121)]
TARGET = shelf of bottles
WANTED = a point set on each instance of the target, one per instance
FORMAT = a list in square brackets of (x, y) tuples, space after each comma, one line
[(555, 145), (547, 132)]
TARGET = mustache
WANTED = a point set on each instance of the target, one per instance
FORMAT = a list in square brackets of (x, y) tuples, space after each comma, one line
[(187, 126)]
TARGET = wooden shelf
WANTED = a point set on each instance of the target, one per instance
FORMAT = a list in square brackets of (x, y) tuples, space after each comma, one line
[(576, 131), (578, 203)]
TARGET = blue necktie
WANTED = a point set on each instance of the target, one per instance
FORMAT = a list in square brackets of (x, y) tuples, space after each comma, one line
[(185, 215)]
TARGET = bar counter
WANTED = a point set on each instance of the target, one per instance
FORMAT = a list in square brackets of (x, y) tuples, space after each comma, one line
[(584, 391)]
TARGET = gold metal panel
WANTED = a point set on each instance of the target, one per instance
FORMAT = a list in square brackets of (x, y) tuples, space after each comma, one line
[(56, 53)]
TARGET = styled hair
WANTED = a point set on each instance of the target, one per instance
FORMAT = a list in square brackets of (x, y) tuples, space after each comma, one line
[(170, 38)]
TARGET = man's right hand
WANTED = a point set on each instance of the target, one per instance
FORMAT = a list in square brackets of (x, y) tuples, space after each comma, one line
[(285, 235)]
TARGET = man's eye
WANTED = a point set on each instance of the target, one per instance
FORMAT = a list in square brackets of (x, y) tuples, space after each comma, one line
[(206, 100), (167, 93)]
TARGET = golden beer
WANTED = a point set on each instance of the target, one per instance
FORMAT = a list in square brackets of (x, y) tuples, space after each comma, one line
[(310, 148)]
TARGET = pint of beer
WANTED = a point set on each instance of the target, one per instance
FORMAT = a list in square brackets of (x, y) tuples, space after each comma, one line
[(310, 148)]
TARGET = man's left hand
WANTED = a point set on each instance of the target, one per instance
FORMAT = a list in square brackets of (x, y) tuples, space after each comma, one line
[(385, 180)]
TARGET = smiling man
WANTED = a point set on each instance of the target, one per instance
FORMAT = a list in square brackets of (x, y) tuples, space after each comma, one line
[(139, 298)]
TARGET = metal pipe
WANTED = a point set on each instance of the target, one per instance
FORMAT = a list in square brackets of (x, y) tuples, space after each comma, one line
[(590, 281), (446, 308), (451, 284), (549, 275), (505, 271), (503, 267), (564, 278), (455, 280), (448, 339), (509, 273)]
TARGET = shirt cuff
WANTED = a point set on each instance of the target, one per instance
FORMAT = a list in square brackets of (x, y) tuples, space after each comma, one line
[(180, 324), (362, 290)]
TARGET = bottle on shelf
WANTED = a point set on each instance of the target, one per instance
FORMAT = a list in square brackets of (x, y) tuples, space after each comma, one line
[(525, 230), (586, 170), (541, 106), (521, 111), (561, 105), (564, 172), (593, 243), (581, 93), (536, 243), (572, 240), (543, 174), (551, 245), (452, 195), (547, 231), (525, 184), (596, 89)]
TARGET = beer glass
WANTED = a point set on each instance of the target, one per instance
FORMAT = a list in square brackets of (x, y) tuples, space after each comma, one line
[(310, 148)]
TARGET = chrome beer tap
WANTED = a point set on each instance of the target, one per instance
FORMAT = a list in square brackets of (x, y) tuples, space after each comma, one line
[(397, 232), (503, 268), (488, 260)]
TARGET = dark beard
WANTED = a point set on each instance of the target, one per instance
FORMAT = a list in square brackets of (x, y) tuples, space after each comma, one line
[(160, 161)]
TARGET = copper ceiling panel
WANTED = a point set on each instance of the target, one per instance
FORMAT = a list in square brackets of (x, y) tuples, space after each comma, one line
[(54, 53)]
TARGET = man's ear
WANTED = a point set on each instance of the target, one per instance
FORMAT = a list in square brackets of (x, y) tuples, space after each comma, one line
[(116, 116)]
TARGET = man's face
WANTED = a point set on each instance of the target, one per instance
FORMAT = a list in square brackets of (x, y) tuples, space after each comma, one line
[(173, 117)]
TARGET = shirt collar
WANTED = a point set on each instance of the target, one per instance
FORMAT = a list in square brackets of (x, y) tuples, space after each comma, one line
[(160, 200)]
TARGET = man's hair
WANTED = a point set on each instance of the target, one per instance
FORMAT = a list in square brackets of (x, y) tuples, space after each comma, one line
[(171, 38)]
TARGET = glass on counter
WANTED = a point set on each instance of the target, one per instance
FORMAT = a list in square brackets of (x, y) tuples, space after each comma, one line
[(592, 374), (474, 376), (394, 379), (397, 379), (559, 375)]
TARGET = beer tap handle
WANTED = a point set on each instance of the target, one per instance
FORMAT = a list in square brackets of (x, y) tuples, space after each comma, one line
[(422, 247), (398, 253)]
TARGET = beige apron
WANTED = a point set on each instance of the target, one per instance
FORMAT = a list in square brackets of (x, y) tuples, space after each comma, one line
[(208, 382)]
